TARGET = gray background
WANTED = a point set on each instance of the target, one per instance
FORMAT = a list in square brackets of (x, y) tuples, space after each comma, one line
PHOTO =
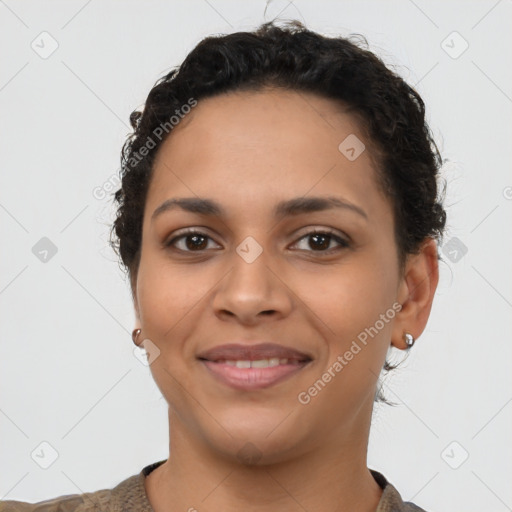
[(68, 373)]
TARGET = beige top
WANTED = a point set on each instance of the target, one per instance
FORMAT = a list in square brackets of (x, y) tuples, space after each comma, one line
[(130, 495)]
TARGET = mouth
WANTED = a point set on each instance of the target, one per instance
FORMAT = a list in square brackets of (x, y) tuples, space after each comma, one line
[(252, 367)]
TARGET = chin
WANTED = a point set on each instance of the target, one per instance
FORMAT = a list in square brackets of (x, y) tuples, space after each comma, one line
[(258, 450), (256, 441)]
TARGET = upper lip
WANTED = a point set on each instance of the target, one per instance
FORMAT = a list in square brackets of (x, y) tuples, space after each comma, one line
[(256, 352)]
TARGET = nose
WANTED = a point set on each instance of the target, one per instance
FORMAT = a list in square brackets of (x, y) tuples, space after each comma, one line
[(252, 292)]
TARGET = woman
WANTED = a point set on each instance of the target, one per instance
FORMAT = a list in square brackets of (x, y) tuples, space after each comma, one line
[(278, 242)]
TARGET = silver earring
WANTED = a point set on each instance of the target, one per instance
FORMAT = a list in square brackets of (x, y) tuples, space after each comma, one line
[(135, 335), (409, 339)]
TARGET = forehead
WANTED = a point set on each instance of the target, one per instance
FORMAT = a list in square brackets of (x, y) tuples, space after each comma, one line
[(278, 117), (257, 146)]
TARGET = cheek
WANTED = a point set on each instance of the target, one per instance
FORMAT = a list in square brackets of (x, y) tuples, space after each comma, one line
[(166, 296), (169, 302), (350, 297), (354, 306), (356, 340)]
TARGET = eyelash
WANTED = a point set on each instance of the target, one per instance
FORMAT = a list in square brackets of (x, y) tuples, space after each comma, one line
[(343, 243)]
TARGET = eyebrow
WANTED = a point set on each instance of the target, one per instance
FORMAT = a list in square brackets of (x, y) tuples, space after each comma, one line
[(295, 206)]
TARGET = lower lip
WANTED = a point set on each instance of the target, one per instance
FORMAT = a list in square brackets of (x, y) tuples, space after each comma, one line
[(248, 379)]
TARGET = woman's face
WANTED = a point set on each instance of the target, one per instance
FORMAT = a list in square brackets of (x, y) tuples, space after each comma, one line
[(257, 275)]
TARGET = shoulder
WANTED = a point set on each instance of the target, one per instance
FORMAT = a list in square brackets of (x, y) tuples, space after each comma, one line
[(104, 500), (66, 503), (391, 501), (130, 494)]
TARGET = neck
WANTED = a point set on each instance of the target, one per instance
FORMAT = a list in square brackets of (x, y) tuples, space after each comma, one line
[(331, 476)]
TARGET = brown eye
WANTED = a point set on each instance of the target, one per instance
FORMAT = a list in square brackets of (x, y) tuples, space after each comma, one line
[(194, 241), (320, 241)]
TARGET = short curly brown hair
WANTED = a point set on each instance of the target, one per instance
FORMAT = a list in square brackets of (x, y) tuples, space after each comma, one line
[(291, 57)]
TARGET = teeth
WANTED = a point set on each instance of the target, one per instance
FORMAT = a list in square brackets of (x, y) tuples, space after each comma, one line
[(262, 363)]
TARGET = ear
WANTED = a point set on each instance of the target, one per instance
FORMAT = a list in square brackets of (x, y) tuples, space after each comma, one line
[(416, 293), (133, 287)]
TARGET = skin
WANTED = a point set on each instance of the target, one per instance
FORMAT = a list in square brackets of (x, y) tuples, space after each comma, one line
[(248, 151)]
